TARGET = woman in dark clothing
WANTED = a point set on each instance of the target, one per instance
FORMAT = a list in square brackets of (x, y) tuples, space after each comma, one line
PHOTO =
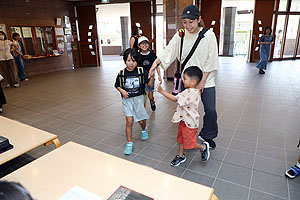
[(135, 34), (2, 98)]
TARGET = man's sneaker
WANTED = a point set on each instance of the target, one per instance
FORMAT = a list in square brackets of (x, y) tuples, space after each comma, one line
[(211, 143), (144, 134), (205, 152), (293, 172), (177, 160), (153, 106)]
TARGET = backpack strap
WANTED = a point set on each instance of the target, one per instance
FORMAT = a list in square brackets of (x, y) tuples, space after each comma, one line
[(181, 34), (121, 78), (141, 75), (200, 36)]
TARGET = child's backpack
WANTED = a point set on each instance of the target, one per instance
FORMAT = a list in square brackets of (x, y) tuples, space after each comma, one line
[(140, 75)]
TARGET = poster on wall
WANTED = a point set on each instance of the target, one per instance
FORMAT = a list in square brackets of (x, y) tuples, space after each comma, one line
[(61, 45), (59, 31), (3, 28)]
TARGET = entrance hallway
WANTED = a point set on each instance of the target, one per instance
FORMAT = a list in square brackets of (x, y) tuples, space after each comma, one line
[(258, 125)]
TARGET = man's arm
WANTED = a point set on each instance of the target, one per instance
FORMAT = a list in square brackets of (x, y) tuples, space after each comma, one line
[(166, 94)]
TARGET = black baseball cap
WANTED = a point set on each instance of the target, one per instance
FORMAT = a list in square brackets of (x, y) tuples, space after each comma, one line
[(190, 12)]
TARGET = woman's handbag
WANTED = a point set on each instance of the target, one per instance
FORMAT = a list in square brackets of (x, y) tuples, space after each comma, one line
[(178, 85)]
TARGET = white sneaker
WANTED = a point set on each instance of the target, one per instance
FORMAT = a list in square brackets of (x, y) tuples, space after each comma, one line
[(16, 85), (7, 86)]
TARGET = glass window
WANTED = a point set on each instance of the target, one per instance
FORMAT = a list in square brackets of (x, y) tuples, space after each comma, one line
[(298, 52), (16, 30), (283, 5), (160, 9), (27, 34), (49, 39), (40, 40), (279, 35), (291, 35), (295, 6)]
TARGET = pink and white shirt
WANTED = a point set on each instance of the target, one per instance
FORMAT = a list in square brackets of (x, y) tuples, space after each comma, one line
[(187, 109)]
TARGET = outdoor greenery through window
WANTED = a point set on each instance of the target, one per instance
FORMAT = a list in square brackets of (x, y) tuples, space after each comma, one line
[(37, 41)]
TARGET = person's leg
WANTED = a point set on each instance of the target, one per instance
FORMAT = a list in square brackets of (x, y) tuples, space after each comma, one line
[(181, 150), (13, 72), (294, 171), (181, 157), (5, 69), (151, 97), (129, 124), (21, 67), (129, 145), (144, 132), (209, 130)]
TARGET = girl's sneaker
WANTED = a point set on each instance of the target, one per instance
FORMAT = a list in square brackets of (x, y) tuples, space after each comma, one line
[(128, 148), (144, 134), (293, 172)]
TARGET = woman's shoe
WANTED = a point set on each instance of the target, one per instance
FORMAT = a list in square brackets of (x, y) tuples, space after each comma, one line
[(261, 71)]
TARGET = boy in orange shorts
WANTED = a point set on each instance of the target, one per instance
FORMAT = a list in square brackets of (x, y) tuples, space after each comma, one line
[(187, 115)]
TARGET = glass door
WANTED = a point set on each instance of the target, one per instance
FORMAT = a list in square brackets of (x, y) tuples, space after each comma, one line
[(291, 36)]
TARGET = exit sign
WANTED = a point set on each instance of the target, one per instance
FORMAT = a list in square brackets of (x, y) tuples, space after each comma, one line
[(104, 1)]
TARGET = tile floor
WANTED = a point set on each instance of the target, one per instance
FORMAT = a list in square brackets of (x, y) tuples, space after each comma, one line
[(258, 115)]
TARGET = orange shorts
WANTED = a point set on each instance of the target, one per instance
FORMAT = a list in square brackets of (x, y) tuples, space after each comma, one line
[(186, 136)]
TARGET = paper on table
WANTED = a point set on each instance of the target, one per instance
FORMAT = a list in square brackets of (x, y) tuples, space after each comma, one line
[(78, 193)]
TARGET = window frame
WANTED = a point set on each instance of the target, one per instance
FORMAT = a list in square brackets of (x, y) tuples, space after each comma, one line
[(35, 40)]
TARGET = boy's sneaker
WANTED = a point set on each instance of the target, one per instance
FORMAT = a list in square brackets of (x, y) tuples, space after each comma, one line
[(177, 160), (293, 172), (205, 152), (144, 134), (128, 148), (153, 106)]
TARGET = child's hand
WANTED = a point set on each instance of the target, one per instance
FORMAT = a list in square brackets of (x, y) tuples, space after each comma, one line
[(159, 88), (124, 94), (159, 80)]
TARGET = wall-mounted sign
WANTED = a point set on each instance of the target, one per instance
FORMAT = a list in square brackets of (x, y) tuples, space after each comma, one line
[(68, 31), (59, 31), (58, 21)]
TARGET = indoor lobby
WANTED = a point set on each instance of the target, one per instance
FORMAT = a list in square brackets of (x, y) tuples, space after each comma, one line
[(258, 116)]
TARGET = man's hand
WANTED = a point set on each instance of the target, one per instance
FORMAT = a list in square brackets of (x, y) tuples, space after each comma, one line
[(124, 94), (159, 88)]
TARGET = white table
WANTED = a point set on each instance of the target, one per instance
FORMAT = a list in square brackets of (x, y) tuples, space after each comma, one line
[(52, 175), (23, 137)]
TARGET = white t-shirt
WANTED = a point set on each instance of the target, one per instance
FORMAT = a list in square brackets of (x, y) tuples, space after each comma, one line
[(5, 50), (187, 109), (205, 56)]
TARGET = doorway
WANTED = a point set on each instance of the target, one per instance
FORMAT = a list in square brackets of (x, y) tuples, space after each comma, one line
[(236, 27)]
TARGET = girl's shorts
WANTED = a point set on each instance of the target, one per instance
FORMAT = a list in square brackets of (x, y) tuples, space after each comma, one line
[(134, 107)]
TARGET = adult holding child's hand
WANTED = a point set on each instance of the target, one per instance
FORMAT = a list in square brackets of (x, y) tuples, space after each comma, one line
[(205, 57)]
